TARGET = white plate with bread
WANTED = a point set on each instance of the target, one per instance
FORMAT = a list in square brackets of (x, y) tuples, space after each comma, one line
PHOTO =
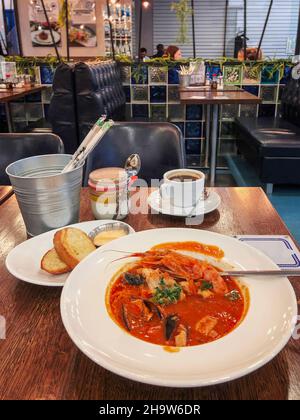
[(48, 259)]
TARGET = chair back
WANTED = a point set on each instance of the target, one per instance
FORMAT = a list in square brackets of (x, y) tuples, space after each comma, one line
[(19, 146), (160, 146)]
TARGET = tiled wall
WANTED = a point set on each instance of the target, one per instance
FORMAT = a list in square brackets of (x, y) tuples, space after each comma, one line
[(154, 95)]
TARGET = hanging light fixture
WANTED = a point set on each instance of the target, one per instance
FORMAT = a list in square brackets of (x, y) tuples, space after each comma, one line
[(145, 4)]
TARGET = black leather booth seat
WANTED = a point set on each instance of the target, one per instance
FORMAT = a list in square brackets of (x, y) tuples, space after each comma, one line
[(81, 94), (98, 91), (272, 145)]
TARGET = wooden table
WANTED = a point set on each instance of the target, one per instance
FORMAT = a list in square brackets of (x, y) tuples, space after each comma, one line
[(215, 98), (9, 95), (5, 193), (39, 361)]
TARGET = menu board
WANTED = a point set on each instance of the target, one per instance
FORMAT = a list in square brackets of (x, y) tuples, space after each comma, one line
[(82, 32), (39, 28)]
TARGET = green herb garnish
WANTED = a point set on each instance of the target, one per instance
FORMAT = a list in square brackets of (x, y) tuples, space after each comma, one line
[(165, 295), (206, 285), (233, 295)]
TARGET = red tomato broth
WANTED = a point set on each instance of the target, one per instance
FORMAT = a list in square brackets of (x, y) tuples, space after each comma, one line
[(190, 310)]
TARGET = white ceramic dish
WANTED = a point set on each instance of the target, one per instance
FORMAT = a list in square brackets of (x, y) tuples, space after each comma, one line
[(24, 260), (164, 206), (262, 334), (35, 37)]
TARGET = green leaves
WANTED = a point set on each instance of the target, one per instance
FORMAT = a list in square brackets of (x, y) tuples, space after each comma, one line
[(183, 12), (206, 285), (165, 295)]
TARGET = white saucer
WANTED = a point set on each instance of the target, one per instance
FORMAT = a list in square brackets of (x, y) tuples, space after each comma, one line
[(24, 261), (203, 207)]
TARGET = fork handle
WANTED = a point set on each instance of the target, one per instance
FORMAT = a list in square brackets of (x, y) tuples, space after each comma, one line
[(260, 273)]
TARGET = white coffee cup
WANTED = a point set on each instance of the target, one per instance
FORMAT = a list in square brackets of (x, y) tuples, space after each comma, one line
[(183, 187)]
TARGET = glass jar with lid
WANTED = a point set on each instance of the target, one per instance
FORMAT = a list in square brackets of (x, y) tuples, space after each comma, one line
[(108, 191)]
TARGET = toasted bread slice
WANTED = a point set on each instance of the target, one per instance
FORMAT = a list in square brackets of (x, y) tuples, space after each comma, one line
[(72, 245), (53, 264)]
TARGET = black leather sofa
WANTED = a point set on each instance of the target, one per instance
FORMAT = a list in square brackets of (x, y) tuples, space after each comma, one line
[(272, 145), (81, 94)]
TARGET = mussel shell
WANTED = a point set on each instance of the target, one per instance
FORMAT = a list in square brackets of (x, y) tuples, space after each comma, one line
[(171, 323), (133, 279), (153, 308)]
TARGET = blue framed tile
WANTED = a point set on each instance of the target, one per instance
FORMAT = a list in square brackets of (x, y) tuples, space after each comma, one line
[(267, 110), (213, 69), (158, 74), (267, 77), (193, 129), (139, 75), (176, 112), (193, 146), (248, 110), (251, 89), (158, 112), (173, 77), (34, 111), (127, 93), (158, 94), (140, 111), (47, 74), (34, 97), (139, 93), (193, 112), (286, 75), (228, 130), (268, 93), (173, 94)]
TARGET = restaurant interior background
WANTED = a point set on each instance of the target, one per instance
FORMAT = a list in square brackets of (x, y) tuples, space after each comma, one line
[(151, 88)]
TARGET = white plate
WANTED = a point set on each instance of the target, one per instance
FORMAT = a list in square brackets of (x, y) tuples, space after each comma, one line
[(203, 207), (262, 334), (48, 41), (24, 260)]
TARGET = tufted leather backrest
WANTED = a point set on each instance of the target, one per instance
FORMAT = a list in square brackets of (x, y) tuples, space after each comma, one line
[(290, 102), (81, 94), (98, 91), (62, 112)]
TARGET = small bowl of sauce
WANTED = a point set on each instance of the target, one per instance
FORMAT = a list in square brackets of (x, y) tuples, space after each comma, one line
[(108, 232)]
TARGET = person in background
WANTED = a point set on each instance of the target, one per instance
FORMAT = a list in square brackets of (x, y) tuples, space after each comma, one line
[(143, 54), (173, 52), (160, 51)]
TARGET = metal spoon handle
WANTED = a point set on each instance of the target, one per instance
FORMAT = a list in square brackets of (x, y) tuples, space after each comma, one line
[(260, 273)]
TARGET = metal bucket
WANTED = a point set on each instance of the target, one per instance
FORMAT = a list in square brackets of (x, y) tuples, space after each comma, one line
[(184, 80), (47, 199)]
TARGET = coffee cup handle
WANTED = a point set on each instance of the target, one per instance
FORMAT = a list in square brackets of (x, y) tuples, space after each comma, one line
[(165, 191)]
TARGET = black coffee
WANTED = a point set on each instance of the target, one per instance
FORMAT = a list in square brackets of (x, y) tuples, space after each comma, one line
[(184, 177)]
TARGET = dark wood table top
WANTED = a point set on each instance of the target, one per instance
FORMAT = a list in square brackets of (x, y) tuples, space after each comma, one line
[(214, 97), (8, 95), (5, 193), (39, 361)]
